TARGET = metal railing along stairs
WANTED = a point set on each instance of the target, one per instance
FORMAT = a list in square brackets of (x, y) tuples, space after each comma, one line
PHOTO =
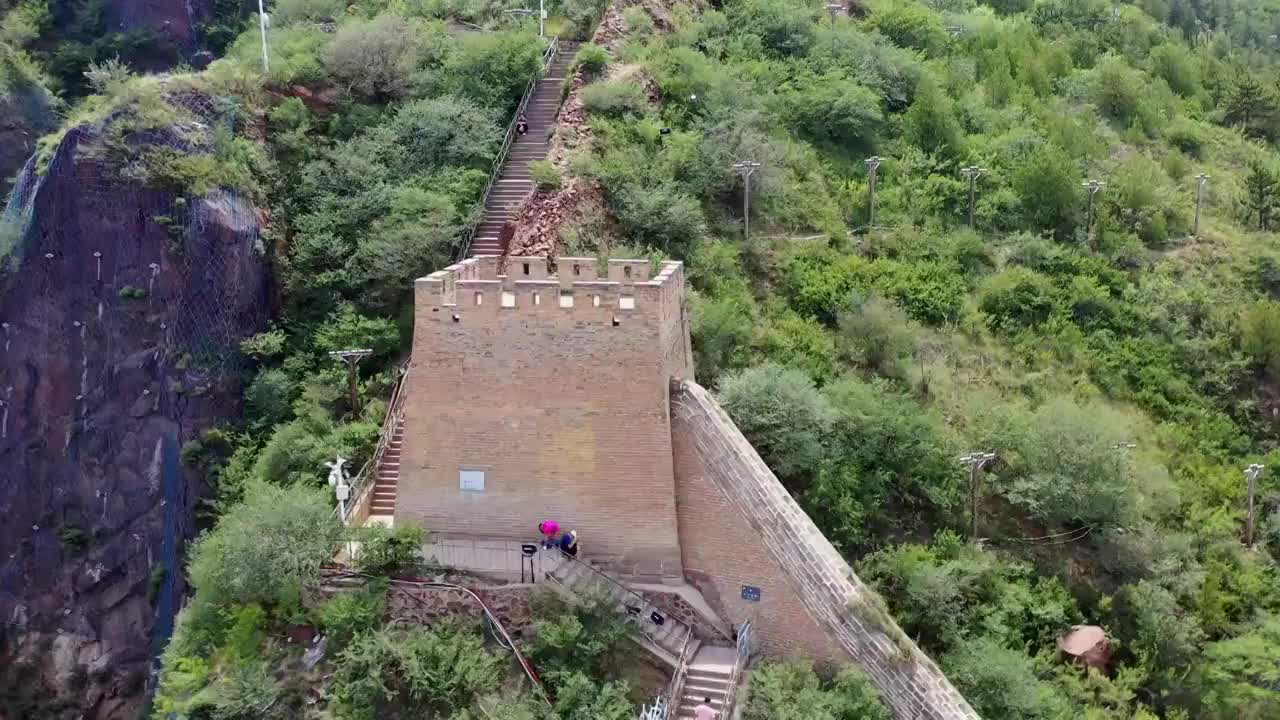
[(495, 171)]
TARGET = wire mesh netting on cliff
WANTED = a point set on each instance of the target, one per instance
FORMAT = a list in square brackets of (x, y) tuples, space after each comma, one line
[(180, 258)]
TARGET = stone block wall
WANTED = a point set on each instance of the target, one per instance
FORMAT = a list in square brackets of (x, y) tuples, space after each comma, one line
[(739, 526), (555, 386)]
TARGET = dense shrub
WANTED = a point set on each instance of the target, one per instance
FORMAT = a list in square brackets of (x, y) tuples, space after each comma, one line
[(783, 415), (232, 564), (440, 670), (388, 551), (614, 98), (794, 690), (592, 58)]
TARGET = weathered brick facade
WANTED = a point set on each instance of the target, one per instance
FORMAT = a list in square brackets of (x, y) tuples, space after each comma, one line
[(780, 548), (571, 394), (555, 387)]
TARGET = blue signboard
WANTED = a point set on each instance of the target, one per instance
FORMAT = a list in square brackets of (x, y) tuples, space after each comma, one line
[(751, 593)]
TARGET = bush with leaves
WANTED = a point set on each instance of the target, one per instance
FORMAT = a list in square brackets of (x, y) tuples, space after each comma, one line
[(352, 613), (439, 670), (592, 59), (793, 689), (614, 98), (233, 564), (569, 639), (389, 550), (783, 414)]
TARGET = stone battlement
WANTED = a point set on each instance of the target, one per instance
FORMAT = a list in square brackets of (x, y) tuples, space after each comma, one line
[(528, 283)]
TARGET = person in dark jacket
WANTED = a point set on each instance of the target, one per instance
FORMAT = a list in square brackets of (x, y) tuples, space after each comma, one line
[(569, 543), (522, 124)]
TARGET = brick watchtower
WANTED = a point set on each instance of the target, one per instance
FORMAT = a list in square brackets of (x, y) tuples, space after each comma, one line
[(538, 395)]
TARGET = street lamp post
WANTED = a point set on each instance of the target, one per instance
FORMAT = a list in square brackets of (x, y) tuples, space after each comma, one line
[(834, 9), (1093, 186), (971, 174), (1201, 179), (352, 358), (746, 168), (1251, 475), (873, 164), (977, 462)]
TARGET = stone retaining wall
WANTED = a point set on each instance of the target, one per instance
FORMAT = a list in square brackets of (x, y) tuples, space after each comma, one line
[(738, 521)]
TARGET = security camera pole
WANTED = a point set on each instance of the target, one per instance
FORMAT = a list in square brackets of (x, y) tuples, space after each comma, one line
[(977, 462), (746, 169), (873, 163), (1201, 179), (1251, 475), (971, 173), (352, 358)]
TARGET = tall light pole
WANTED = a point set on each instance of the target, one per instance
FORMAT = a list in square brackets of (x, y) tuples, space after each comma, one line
[(262, 27), (873, 164), (971, 173), (746, 168), (834, 9), (1093, 186), (1201, 179), (1251, 474), (352, 358), (977, 462)]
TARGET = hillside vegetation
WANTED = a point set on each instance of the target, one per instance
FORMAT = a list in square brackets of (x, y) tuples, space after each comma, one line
[(1123, 371)]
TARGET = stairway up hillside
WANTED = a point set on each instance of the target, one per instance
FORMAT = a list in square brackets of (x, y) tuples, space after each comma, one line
[(513, 183)]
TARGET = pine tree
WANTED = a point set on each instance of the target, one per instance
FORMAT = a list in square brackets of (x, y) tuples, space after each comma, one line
[(1261, 187)]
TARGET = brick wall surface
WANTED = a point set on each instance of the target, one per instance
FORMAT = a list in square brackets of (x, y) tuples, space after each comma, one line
[(737, 523), (564, 408)]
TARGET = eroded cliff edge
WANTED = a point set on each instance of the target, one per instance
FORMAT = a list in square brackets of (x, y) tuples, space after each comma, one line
[(121, 308)]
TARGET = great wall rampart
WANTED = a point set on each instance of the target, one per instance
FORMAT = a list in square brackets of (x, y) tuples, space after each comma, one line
[(565, 392)]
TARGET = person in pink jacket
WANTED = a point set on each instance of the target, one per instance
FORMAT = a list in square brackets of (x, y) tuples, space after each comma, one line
[(549, 529)]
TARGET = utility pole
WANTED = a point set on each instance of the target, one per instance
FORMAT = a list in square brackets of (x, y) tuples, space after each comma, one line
[(1093, 186), (1201, 179), (1251, 474), (977, 462), (971, 174), (262, 26), (873, 163), (352, 358), (746, 168)]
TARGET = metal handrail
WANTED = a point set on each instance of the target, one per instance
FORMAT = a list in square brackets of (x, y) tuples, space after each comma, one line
[(361, 486), (731, 694), (548, 57), (645, 603)]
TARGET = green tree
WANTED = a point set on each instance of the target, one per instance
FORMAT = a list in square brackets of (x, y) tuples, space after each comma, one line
[(783, 415), (1260, 335), (793, 689), (888, 466), (437, 671), (1001, 683), (1047, 184), (267, 548), (1261, 186), (1242, 674), (375, 59), (930, 124)]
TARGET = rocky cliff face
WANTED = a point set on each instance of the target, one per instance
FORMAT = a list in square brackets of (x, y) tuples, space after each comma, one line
[(120, 311)]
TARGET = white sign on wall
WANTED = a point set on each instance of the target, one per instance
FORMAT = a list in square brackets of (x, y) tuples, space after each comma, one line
[(472, 480)]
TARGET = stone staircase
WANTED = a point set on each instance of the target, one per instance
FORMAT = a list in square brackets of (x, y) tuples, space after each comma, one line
[(708, 676), (388, 477), (659, 633), (513, 183)]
